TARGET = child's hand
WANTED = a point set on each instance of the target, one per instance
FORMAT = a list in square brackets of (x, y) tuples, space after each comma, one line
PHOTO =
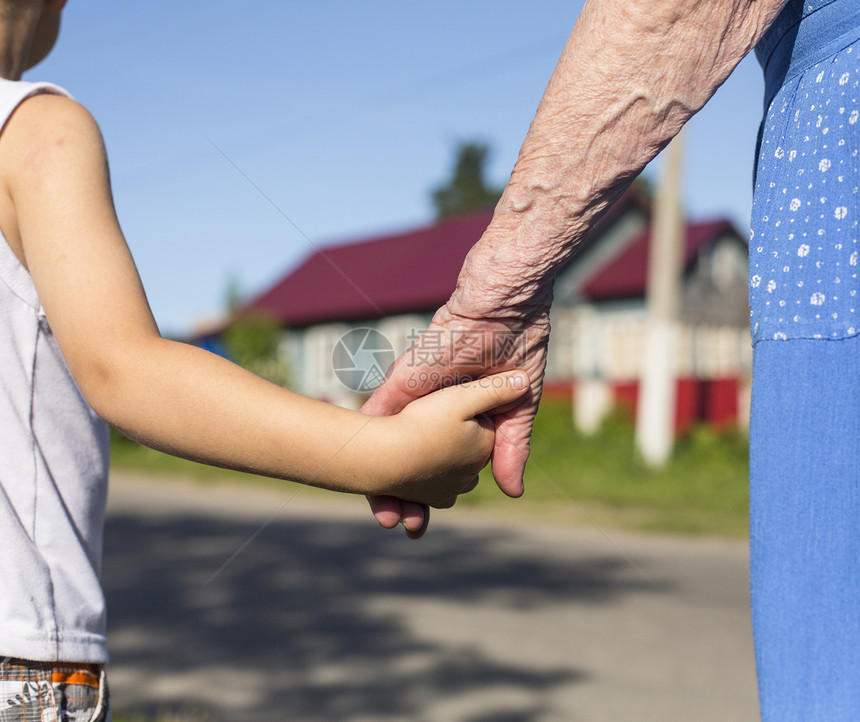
[(445, 438)]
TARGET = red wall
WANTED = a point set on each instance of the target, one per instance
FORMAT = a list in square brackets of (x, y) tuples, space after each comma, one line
[(713, 401)]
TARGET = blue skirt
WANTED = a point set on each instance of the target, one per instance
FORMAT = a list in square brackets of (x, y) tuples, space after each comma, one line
[(805, 416), (805, 528)]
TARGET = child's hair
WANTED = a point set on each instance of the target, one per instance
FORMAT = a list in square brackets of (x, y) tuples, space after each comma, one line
[(10, 7), (47, 23)]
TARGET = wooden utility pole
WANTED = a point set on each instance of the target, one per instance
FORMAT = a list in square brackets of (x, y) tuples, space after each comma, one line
[(655, 417)]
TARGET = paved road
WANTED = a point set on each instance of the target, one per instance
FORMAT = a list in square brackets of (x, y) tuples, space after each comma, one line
[(325, 617)]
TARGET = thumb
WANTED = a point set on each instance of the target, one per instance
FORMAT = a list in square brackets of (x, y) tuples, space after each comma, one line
[(491, 392), (395, 393)]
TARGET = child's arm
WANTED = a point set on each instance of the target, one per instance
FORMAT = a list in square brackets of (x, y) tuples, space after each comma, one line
[(58, 216)]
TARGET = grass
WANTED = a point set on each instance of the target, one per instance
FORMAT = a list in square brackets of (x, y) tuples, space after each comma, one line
[(572, 477), (702, 490)]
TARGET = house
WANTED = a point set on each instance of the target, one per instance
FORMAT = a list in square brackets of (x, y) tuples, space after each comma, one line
[(393, 283)]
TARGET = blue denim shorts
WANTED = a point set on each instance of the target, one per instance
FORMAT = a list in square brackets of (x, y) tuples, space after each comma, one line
[(52, 692)]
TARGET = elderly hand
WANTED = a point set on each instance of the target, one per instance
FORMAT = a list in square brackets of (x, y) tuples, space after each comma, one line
[(464, 341)]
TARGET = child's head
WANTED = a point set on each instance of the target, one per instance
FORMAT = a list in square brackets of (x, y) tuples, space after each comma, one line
[(34, 25)]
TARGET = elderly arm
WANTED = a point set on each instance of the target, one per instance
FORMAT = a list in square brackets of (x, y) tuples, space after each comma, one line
[(629, 77)]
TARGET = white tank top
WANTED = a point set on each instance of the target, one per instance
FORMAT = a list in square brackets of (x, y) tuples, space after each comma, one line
[(53, 476)]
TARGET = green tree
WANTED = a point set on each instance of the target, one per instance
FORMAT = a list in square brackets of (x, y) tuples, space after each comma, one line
[(253, 342), (467, 189), (233, 296)]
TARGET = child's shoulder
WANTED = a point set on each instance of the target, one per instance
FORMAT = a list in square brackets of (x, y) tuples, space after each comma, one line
[(45, 132), (51, 150), (46, 118)]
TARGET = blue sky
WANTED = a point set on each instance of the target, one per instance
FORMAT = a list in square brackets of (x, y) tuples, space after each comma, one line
[(343, 114)]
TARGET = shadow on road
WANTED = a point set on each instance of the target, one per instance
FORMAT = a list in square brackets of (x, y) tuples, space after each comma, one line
[(292, 628)]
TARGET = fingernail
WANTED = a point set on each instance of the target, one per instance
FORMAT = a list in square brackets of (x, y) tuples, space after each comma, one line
[(518, 381)]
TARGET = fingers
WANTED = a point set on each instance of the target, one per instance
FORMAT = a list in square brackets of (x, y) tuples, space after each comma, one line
[(415, 518), (414, 531), (492, 391), (386, 509), (508, 467), (390, 511), (511, 452)]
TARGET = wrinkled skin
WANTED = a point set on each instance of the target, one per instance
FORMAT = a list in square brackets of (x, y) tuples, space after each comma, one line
[(454, 348)]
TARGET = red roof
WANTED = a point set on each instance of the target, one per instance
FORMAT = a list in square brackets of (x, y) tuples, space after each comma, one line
[(416, 271), (625, 275), (399, 273)]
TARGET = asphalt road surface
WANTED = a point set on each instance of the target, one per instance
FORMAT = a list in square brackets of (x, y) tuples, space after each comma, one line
[(244, 604)]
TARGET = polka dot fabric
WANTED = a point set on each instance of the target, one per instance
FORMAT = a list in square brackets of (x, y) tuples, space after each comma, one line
[(805, 237)]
